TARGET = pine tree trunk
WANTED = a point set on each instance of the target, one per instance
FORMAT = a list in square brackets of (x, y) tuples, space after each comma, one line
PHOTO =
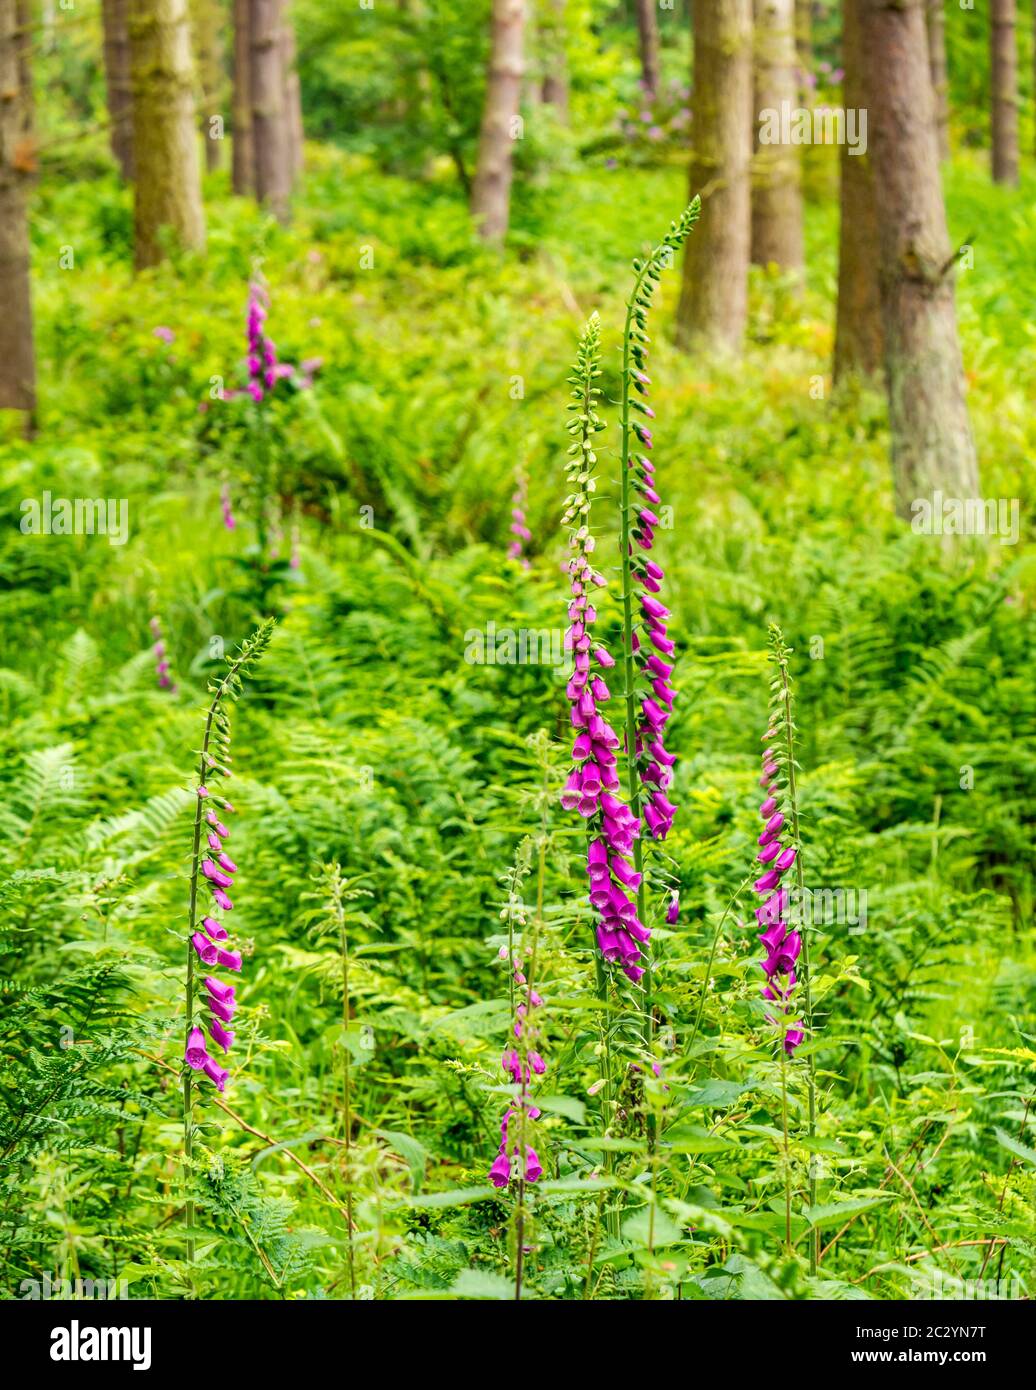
[(243, 151), (1004, 56), (859, 337), (932, 445), (555, 77), (165, 147), (777, 169), (117, 79), (206, 18), (17, 163), (804, 46), (491, 190), (940, 79), (647, 31), (292, 99), (714, 295), (270, 130)]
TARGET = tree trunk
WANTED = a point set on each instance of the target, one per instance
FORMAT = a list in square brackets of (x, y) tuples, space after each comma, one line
[(117, 79), (859, 339), (165, 147), (491, 190), (777, 169), (932, 445), (243, 151), (206, 18), (804, 47), (17, 163), (270, 129), (937, 66), (647, 30), (292, 99), (555, 77), (714, 294), (1004, 57)]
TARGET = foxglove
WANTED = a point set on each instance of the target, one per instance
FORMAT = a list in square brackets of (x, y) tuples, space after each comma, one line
[(213, 864), (519, 525), (165, 681), (593, 784)]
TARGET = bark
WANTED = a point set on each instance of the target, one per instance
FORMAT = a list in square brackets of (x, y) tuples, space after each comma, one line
[(243, 150), (714, 294), (859, 337), (17, 164), (1004, 56), (940, 79), (206, 17), (647, 32), (804, 46), (777, 168), (270, 128), (117, 80), (167, 201), (491, 190), (292, 99), (555, 76), (932, 445)]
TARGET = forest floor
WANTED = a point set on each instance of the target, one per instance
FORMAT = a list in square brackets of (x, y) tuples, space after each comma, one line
[(369, 737)]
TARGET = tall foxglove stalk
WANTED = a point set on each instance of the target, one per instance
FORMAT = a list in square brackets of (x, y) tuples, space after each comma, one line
[(645, 642), (264, 371), (161, 656), (517, 1160), (519, 522), (594, 781), (786, 965), (216, 868)]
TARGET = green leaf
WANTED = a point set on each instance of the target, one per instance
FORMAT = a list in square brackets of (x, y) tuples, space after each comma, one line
[(477, 1020), (831, 1214), (1013, 1146), (407, 1147), (639, 1229), (482, 1283), (460, 1197), (694, 1140), (717, 1094), (569, 1106)]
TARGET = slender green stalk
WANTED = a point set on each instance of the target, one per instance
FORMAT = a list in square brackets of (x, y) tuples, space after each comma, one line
[(529, 971), (712, 956), (634, 337), (250, 651), (192, 922), (608, 1101), (628, 667), (347, 1117), (811, 1064), (591, 1253), (787, 1150)]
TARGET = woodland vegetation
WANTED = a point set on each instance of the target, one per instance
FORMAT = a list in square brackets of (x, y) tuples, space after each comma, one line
[(390, 396)]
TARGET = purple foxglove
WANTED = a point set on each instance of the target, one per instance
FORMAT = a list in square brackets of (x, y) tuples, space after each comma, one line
[(195, 1054)]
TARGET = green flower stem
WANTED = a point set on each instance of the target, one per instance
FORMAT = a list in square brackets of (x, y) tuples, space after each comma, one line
[(192, 919), (251, 650), (629, 671), (811, 1063)]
